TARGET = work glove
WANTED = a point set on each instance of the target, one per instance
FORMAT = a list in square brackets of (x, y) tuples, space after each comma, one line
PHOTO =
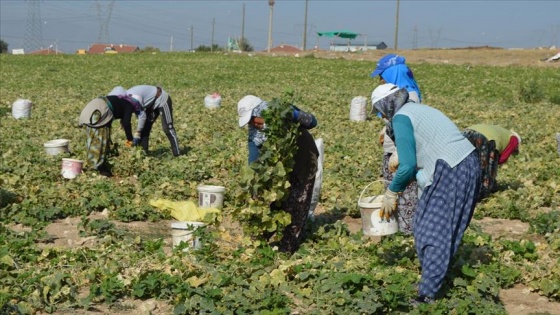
[(128, 144), (393, 162), (389, 204)]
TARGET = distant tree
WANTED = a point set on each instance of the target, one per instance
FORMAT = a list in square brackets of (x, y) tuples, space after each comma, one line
[(204, 48), (3, 47), (150, 49), (244, 45)]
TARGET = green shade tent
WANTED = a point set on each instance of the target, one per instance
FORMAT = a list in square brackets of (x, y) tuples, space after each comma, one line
[(340, 34)]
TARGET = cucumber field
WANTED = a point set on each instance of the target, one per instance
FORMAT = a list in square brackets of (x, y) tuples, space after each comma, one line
[(95, 245)]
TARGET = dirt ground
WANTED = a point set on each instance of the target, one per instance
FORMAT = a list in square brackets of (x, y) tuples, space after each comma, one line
[(467, 56)]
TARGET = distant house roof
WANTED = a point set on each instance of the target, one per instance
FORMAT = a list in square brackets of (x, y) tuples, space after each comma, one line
[(285, 49), (120, 48)]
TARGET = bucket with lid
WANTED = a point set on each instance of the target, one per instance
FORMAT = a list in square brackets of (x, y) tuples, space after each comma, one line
[(71, 168), (183, 232), (54, 147), (372, 223), (210, 196)]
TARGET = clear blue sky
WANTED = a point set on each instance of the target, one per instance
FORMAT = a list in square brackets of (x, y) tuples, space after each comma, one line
[(73, 24)]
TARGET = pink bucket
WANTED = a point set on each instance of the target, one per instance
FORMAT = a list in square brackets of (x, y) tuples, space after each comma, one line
[(71, 168)]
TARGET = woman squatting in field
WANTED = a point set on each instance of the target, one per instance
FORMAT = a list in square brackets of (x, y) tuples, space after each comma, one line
[(432, 149)]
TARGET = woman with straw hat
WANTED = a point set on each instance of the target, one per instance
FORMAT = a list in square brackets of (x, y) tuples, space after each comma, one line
[(97, 117)]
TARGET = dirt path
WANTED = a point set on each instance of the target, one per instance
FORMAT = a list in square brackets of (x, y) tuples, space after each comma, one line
[(466, 56)]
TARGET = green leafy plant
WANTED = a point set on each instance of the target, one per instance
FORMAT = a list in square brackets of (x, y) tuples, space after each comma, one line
[(265, 184)]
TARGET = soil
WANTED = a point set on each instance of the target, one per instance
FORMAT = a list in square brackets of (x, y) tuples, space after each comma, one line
[(473, 56)]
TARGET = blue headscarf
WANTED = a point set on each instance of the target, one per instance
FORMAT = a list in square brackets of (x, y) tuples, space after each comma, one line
[(401, 76)]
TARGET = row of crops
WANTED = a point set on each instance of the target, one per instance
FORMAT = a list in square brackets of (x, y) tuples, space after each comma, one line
[(335, 271)]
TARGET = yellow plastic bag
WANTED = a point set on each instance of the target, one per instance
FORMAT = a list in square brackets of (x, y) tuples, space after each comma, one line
[(183, 210)]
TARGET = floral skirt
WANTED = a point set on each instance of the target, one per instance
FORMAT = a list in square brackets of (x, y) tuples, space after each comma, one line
[(488, 157), (406, 203), (98, 145)]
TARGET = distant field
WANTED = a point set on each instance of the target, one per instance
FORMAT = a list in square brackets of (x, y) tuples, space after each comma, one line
[(335, 272), (474, 56)]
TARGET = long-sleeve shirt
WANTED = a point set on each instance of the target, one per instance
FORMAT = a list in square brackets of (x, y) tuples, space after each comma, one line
[(423, 136), (123, 110), (138, 109), (146, 95)]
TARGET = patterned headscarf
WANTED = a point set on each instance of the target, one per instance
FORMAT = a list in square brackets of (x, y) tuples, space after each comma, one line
[(258, 136), (390, 105)]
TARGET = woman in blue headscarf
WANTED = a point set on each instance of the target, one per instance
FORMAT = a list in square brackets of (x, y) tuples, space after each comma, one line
[(392, 69)]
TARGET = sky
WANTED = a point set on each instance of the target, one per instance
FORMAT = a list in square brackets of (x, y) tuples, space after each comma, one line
[(183, 25)]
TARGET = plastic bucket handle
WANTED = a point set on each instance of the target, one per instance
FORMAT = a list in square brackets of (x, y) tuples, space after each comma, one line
[(375, 181)]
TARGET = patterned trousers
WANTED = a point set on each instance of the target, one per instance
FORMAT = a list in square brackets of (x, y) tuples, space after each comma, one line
[(443, 214), (488, 157), (297, 205)]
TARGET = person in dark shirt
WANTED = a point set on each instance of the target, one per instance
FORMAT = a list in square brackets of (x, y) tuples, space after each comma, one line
[(97, 117)]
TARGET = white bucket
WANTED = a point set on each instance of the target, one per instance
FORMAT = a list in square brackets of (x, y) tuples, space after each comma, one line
[(211, 196), (212, 101), (71, 168), (358, 108), (21, 108), (56, 146), (372, 224), (183, 232)]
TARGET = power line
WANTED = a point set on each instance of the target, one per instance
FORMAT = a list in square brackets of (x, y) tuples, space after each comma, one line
[(104, 19), (33, 38)]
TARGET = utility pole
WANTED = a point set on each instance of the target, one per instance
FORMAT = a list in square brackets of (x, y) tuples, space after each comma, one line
[(271, 4), (213, 24), (33, 38), (171, 44), (415, 38), (397, 28), (242, 46), (305, 27), (192, 32)]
